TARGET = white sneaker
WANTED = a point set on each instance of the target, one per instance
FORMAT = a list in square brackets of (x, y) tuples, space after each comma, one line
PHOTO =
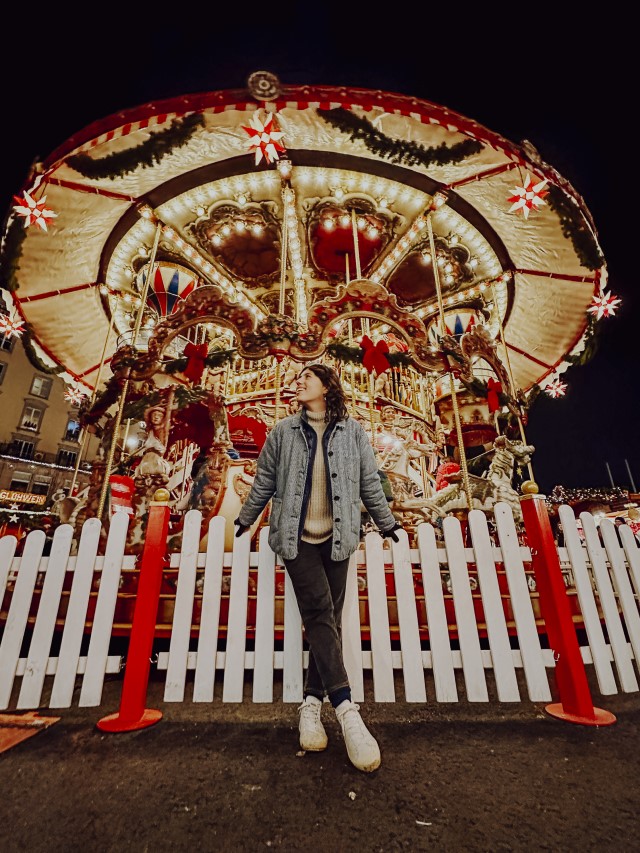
[(362, 747), (313, 737)]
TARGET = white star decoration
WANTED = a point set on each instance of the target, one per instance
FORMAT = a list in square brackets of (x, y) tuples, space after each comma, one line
[(528, 197), (13, 519), (74, 395), (33, 211), (604, 305), (556, 388), (264, 139)]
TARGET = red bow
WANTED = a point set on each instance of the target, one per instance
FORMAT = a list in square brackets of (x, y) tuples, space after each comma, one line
[(493, 390), (197, 354), (374, 357)]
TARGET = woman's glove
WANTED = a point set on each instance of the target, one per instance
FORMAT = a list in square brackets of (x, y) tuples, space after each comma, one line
[(241, 528), (391, 532)]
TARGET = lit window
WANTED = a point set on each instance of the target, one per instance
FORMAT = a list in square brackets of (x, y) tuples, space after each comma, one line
[(73, 430), (31, 418), (41, 386)]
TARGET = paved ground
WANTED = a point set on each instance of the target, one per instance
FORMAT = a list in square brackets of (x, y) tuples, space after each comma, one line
[(230, 778)]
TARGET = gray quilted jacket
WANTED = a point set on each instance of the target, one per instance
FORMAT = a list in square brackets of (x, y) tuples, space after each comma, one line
[(284, 476)]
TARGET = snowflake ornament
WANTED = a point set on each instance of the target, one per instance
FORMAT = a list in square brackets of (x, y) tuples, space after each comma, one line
[(264, 139), (528, 197), (9, 327), (556, 388), (33, 211), (604, 305)]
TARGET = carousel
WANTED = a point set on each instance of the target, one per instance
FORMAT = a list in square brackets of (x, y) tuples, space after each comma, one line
[(180, 262)]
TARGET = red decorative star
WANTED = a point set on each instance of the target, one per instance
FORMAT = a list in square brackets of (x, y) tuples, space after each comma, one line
[(264, 139), (604, 305), (33, 211), (528, 197), (556, 388), (9, 327)]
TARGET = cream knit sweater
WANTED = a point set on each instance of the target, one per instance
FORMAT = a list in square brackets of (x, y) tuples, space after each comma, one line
[(318, 524)]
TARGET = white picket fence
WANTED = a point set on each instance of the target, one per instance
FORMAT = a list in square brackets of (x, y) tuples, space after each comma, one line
[(69, 603)]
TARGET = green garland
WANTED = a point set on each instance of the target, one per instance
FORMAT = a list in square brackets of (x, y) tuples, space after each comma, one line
[(398, 150), (354, 355), (481, 389), (146, 154), (27, 343), (575, 229), (214, 359), (11, 254), (590, 345)]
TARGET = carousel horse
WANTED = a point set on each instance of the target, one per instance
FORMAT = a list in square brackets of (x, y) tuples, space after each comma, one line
[(487, 490)]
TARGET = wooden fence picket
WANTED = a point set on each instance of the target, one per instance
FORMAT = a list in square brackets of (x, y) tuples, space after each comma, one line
[(439, 641), (593, 628), (467, 628), (264, 656), (18, 614), (352, 634), (497, 633), (412, 668), (98, 651), (622, 585), (529, 639), (293, 660), (205, 674), (234, 662), (383, 683), (183, 610), (615, 631), (42, 636)]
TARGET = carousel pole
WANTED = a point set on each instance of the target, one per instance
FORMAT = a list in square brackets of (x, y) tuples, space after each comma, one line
[(510, 372), (94, 393), (125, 387), (364, 321), (352, 370), (454, 399), (281, 307)]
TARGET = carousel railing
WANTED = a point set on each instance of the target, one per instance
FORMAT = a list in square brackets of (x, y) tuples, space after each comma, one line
[(457, 618)]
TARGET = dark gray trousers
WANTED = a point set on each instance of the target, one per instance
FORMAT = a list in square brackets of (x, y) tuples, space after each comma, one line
[(319, 584)]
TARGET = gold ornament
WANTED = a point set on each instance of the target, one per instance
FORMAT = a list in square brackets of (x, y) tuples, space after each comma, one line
[(529, 487), (162, 496)]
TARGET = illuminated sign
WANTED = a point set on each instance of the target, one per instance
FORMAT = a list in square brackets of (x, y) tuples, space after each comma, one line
[(22, 497)]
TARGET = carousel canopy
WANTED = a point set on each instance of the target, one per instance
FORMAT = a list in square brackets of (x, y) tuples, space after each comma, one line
[(214, 188)]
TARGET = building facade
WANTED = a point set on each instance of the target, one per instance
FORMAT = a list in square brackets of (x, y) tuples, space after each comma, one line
[(40, 439)]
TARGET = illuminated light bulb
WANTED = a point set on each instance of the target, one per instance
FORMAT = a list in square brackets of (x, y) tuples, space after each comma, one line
[(426, 257), (189, 252), (129, 273), (448, 268), (127, 297), (328, 224), (473, 263), (344, 221), (242, 199), (200, 210), (448, 279), (104, 289), (361, 223), (483, 286), (257, 230), (226, 230), (454, 240), (449, 300), (339, 194), (440, 262), (372, 232), (216, 240)]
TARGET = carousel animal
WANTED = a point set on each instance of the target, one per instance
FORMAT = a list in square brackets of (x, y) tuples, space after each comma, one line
[(496, 485)]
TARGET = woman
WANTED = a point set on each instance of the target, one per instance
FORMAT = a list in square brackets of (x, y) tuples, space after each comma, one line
[(318, 465)]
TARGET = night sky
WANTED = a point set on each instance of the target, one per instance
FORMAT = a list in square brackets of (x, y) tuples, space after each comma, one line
[(565, 85)]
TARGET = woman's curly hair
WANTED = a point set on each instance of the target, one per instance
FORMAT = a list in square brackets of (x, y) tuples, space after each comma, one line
[(336, 399)]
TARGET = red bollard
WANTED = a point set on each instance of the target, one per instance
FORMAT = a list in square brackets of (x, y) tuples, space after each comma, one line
[(133, 714), (576, 705)]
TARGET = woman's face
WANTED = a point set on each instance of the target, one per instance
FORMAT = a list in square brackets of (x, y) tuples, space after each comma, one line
[(310, 392)]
